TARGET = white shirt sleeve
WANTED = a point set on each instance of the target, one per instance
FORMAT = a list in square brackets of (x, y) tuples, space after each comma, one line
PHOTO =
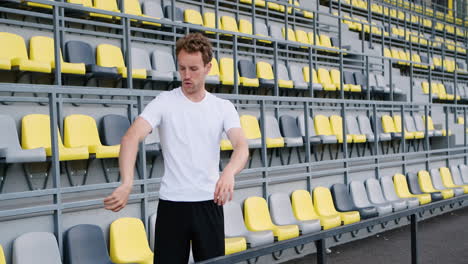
[(153, 112), (231, 117)]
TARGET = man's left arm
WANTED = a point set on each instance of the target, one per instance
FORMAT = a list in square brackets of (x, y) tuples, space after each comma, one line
[(225, 186)]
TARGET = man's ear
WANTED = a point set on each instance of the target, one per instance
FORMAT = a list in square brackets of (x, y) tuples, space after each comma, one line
[(208, 67)]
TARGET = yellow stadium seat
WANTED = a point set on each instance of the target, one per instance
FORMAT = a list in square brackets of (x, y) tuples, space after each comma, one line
[(262, 3), (209, 21), (111, 56), (425, 182), (108, 5), (42, 50), (226, 71), (398, 129), (81, 130), (128, 242), (323, 126), (133, 7), (306, 14), (325, 80), (193, 17), (234, 245), (305, 73), (313, 38), (214, 72), (2, 256), (229, 24), (324, 206), (387, 53), (35, 133), (402, 190), (247, 70), (303, 209), (336, 123), (325, 41), (443, 93), (291, 34), (257, 218), (245, 27), (250, 127), (336, 79), (14, 55), (33, 4), (265, 72), (301, 36), (447, 179)]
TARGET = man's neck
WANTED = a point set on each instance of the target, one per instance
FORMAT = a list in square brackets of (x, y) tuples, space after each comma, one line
[(196, 96)]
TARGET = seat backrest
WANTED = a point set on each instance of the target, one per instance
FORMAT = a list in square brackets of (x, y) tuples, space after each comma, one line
[(401, 185), (133, 7), (265, 71), (301, 36), (314, 39), (79, 52), (341, 197), (349, 77), (359, 194), (109, 5), (464, 172), (2, 256), (302, 127), (398, 125), (250, 126), (281, 209), (193, 17), (256, 214), (153, 9), (261, 29), (374, 191), (229, 23), (85, 244), (291, 35), (365, 125), (380, 80), (426, 182), (36, 247), (214, 68), (42, 49), (446, 176), (178, 13), (81, 130), (296, 73), (289, 127), (388, 125), (128, 241), (335, 77), (437, 179), (303, 206), (413, 182), (455, 171), (275, 32), (209, 20), (247, 69), (35, 133), (283, 73), (113, 128), (233, 220), (418, 122), (323, 201), (324, 76), (410, 123), (109, 56), (8, 135), (325, 41), (336, 123), (163, 61), (272, 129), (352, 125), (226, 70), (140, 59), (322, 125), (388, 188), (245, 27), (13, 46)]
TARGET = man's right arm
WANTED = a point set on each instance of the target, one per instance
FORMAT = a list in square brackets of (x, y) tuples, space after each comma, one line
[(127, 157)]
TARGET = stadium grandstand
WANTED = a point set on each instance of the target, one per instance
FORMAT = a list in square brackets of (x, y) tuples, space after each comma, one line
[(355, 113)]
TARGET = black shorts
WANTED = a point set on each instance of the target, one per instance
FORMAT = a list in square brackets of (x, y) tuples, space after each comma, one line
[(180, 223)]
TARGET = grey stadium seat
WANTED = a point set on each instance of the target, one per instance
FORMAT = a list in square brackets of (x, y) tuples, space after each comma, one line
[(113, 128), (464, 172), (366, 129), (381, 83), (390, 194), (297, 77), (234, 226), (290, 131), (374, 85), (438, 184), (178, 13), (275, 32), (141, 60), (246, 68), (261, 28), (282, 214), (455, 171), (85, 244), (283, 73), (375, 194), (360, 79), (316, 139), (164, 66), (413, 183), (410, 124), (10, 148), (420, 126), (352, 125), (343, 202), (153, 9), (36, 247), (360, 199)]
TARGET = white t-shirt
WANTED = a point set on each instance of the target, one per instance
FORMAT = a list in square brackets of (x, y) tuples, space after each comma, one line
[(190, 136)]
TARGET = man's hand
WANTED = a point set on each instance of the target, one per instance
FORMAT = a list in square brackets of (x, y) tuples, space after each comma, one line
[(224, 188), (118, 199)]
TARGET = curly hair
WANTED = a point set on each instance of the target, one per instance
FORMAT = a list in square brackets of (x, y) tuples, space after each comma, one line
[(195, 42)]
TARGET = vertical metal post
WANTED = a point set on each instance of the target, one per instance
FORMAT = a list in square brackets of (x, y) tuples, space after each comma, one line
[(142, 168), (321, 251), (414, 240), (263, 152)]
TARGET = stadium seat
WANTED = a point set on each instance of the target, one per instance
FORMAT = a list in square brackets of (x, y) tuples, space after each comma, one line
[(10, 148), (299, 11), (229, 24), (113, 128), (410, 126), (325, 80), (325, 138), (303, 209), (324, 128), (464, 172), (366, 129), (36, 5), (234, 226), (297, 77), (81, 52), (164, 66), (245, 27), (335, 76), (388, 126), (2, 256), (350, 82), (85, 244), (398, 128), (282, 214), (257, 218), (336, 123), (247, 71), (226, 71), (36, 247), (376, 196), (353, 129), (272, 132), (261, 30), (133, 7), (430, 126), (209, 21), (324, 207), (107, 5), (193, 17), (301, 36), (178, 13), (291, 35), (456, 174), (234, 244), (265, 74), (42, 49), (14, 55), (438, 183), (375, 87), (447, 180), (306, 73), (361, 200), (290, 131), (428, 185), (284, 81), (128, 242), (344, 202), (35, 134), (111, 56), (314, 39), (390, 194), (415, 187), (81, 130), (213, 76), (153, 9), (141, 60), (251, 130), (325, 41), (420, 126), (401, 188)]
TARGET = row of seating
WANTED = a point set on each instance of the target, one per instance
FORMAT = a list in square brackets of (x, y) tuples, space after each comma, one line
[(260, 223), (445, 92)]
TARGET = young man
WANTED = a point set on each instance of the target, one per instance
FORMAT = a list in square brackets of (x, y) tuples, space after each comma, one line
[(191, 122)]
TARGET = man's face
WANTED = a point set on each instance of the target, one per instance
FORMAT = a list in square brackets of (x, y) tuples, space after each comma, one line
[(192, 71)]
